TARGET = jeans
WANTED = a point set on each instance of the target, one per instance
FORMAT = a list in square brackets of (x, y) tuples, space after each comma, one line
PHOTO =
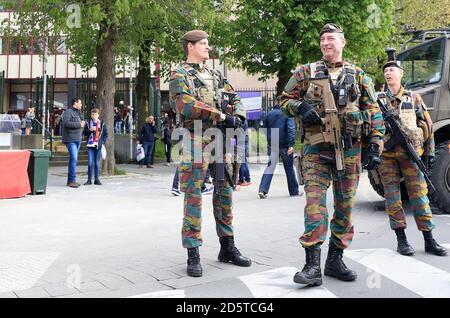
[(288, 164), (73, 148), (244, 173), (167, 148), (94, 155), (117, 127), (148, 149)]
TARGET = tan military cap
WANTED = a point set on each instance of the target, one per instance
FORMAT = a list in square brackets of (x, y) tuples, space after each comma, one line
[(195, 35), (331, 28)]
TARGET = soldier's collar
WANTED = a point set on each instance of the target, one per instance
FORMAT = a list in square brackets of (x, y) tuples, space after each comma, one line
[(334, 65), (398, 96), (197, 67)]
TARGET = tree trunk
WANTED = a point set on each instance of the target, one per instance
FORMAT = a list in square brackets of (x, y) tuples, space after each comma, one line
[(106, 88), (283, 78), (142, 92)]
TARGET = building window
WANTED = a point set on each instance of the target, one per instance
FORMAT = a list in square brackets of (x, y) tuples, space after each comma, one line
[(60, 100), (20, 101), (25, 46), (3, 45), (61, 45), (14, 44)]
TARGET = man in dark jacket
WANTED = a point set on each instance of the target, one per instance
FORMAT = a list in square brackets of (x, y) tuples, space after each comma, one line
[(166, 137), (279, 125), (147, 139), (72, 125)]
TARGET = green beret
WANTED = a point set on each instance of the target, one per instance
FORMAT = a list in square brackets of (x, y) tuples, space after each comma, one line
[(195, 35), (330, 28)]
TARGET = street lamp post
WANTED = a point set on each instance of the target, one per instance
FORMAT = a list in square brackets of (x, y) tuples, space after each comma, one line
[(130, 115), (44, 88)]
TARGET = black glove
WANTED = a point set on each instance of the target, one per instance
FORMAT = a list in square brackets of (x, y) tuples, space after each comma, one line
[(233, 121), (309, 115), (371, 157)]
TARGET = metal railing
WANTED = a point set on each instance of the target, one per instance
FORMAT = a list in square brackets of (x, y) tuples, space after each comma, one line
[(46, 133)]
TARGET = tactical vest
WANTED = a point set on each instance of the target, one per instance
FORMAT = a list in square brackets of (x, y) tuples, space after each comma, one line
[(206, 87), (405, 113), (346, 93)]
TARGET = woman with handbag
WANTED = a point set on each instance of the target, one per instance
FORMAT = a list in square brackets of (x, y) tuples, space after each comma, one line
[(96, 134)]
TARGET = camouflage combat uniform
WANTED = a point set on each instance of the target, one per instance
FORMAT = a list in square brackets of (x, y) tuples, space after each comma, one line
[(395, 162), (359, 116), (195, 91)]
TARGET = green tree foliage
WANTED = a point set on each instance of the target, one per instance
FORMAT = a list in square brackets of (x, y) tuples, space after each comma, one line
[(108, 33), (273, 37)]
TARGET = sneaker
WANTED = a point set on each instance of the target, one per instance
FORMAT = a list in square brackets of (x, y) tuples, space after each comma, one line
[(176, 192), (262, 195), (89, 182), (207, 190), (245, 183), (97, 182), (149, 166), (167, 164), (73, 184)]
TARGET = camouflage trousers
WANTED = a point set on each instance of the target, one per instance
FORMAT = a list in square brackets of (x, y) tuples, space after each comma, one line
[(192, 175), (319, 174), (395, 163)]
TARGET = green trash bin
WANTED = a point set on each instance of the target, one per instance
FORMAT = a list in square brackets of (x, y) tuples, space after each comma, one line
[(38, 170)]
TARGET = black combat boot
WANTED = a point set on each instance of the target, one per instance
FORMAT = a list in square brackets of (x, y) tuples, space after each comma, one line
[(194, 268), (335, 267), (229, 252), (431, 246), (403, 246), (311, 273)]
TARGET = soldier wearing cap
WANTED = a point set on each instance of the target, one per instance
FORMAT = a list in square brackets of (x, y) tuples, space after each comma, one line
[(413, 117), (360, 119), (195, 92)]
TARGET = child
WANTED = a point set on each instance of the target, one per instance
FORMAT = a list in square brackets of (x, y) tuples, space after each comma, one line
[(96, 133)]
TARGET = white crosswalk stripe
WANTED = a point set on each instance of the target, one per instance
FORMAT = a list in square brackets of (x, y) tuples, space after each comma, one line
[(178, 293), (277, 283), (21, 270), (417, 276), (412, 274)]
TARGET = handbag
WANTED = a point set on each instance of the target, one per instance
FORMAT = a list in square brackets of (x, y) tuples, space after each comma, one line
[(104, 153), (139, 152)]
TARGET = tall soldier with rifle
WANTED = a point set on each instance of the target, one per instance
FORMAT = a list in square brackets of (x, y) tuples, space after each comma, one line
[(337, 105), (409, 136), (196, 91)]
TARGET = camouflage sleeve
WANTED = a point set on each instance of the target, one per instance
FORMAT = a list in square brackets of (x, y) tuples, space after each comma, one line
[(295, 90), (368, 102), (425, 123), (185, 102), (237, 106)]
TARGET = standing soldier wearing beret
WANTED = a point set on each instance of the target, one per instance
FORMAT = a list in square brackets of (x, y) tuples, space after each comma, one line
[(196, 90), (359, 117), (413, 117)]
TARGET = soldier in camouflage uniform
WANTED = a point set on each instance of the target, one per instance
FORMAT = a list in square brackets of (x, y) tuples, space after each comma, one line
[(195, 90), (358, 113), (414, 118)]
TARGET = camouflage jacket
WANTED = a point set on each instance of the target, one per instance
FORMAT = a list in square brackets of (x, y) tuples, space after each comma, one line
[(184, 86), (423, 118), (298, 85)]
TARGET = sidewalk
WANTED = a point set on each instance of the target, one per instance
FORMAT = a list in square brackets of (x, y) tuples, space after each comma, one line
[(123, 238)]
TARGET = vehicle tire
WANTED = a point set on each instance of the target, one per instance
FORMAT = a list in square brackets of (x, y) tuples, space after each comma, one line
[(440, 176)]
